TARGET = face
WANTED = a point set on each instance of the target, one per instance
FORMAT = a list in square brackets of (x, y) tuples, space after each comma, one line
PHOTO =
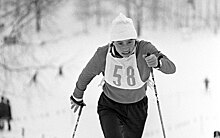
[(125, 47)]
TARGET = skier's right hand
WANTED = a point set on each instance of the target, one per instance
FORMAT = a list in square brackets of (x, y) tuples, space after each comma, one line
[(151, 60), (76, 104)]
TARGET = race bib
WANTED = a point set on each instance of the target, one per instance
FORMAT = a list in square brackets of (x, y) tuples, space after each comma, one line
[(122, 72)]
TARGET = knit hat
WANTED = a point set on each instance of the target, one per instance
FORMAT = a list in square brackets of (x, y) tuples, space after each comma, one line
[(122, 28)]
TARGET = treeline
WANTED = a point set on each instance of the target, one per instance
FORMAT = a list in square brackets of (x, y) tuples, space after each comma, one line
[(195, 14)]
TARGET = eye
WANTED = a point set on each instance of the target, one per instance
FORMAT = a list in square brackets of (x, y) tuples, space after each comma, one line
[(130, 42), (120, 43)]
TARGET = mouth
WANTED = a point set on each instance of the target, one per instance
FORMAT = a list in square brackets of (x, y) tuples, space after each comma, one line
[(126, 52)]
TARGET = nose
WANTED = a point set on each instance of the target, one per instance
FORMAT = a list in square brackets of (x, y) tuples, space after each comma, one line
[(125, 48)]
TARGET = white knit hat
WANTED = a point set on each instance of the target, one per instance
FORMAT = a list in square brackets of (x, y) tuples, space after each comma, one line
[(122, 28)]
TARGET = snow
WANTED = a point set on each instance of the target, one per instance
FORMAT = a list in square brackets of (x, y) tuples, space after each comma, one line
[(187, 109)]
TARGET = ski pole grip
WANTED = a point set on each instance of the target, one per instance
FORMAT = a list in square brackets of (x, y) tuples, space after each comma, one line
[(151, 69), (144, 56)]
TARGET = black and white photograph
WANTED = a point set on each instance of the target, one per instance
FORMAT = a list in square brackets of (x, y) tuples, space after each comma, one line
[(109, 68)]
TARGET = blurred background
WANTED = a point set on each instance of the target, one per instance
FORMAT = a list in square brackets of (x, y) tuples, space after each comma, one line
[(44, 45)]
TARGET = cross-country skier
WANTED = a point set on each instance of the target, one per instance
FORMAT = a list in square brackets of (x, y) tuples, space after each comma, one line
[(125, 64)]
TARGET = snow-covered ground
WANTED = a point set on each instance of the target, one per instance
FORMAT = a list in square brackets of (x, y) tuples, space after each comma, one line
[(188, 110)]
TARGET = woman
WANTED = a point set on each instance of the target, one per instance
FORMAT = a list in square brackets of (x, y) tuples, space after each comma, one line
[(125, 64)]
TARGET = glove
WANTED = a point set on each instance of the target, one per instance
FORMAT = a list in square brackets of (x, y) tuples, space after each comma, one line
[(151, 60), (75, 104)]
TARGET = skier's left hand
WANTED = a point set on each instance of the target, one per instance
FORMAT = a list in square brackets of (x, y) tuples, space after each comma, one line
[(151, 60)]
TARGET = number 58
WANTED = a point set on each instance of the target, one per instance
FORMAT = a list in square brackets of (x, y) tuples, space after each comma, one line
[(130, 76)]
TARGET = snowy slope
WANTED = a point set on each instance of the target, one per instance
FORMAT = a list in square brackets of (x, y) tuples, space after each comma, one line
[(187, 109)]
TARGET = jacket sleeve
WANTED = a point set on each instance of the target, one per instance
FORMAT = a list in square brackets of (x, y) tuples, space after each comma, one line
[(166, 66), (92, 69)]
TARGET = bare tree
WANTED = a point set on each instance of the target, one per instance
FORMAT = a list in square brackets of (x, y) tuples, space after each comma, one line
[(98, 10), (19, 14), (208, 3), (83, 12), (17, 8), (128, 8), (38, 15), (139, 5), (216, 17)]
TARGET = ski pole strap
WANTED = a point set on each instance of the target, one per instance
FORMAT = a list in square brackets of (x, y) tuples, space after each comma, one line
[(80, 103)]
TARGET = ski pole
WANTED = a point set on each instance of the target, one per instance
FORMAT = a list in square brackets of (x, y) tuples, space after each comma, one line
[(158, 105), (79, 114), (77, 121)]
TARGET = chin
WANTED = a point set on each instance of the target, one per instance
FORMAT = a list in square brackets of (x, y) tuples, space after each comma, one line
[(126, 55)]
